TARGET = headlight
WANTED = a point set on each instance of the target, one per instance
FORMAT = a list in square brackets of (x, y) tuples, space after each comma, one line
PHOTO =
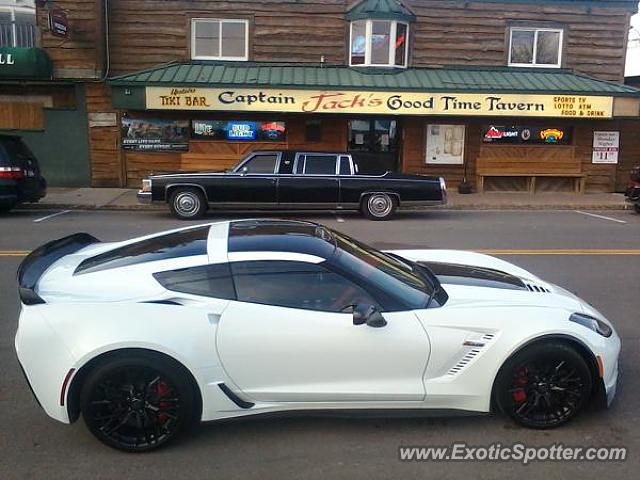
[(146, 185), (592, 323)]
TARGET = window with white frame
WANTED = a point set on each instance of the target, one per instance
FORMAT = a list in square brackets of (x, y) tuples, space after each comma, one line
[(379, 43), (535, 47), (219, 39)]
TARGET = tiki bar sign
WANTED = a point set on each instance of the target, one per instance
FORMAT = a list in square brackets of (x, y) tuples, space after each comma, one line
[(377, 102)]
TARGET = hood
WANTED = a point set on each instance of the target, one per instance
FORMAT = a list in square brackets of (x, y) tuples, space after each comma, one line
[(473, 280)]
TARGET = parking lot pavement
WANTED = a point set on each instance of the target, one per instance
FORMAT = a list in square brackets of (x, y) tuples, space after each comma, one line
[(598, 258)]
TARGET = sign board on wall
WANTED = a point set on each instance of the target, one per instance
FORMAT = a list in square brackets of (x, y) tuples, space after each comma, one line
[(526, 135), (58, 23), (606, 146), (238, 130), (445, 144), (377, 102), (152, 134)]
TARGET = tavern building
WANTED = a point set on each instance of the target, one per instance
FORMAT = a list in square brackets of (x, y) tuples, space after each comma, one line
[(509, 96)]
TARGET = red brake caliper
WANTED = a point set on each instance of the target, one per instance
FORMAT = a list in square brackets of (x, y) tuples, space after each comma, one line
[(162, 389), (520, 395)]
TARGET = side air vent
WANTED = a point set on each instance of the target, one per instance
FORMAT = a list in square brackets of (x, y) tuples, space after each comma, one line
[(532, 287), (478, 344), (470, 355)]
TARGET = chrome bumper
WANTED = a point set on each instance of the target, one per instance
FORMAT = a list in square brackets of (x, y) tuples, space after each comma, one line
[(144, 197)]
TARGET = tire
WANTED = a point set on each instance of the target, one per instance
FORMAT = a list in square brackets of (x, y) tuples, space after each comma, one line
[(188, 203), (139, 402), (544, 385), (378, 206), (636, 206)]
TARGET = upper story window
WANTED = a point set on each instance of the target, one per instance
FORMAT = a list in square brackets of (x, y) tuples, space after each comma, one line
[(219, 39), (535, 47), (17, 26), (380, 43)]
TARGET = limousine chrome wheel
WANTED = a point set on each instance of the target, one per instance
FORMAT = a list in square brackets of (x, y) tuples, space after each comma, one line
[(378, 206), (188, 204)]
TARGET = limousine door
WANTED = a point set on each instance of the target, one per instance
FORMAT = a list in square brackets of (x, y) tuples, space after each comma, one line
[(314, 181), (254, 183)]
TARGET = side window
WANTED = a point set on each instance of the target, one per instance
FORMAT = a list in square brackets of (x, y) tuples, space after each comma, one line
[(206, 280), (345, 166), (296, 285), (183, 243), (320, 165), (263, 163)]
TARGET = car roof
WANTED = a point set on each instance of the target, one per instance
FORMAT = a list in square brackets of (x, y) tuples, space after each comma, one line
[(280, 236), (265, 239)]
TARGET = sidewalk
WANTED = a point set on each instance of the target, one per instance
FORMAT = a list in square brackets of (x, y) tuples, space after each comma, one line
[(125, 199)]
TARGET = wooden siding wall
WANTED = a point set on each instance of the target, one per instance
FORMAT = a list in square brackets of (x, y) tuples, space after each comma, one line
[(144, 33), (80, 55), (107, 169), (600, 177), (472, 33)]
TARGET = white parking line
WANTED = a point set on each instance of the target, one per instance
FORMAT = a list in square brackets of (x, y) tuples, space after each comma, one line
[(340, 219), (599, 216), (38, 220)]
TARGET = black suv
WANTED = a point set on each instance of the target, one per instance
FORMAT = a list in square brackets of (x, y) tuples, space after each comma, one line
[(20, 179)]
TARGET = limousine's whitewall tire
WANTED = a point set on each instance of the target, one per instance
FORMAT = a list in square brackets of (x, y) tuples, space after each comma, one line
[(187, 204), (379, 206)]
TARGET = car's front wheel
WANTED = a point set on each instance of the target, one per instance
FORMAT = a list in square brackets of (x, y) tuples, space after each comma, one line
[(378, 206), (139, 402), (187, 203), (544, 385)]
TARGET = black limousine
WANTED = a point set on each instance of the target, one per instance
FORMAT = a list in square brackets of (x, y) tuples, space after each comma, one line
[(286, 179)]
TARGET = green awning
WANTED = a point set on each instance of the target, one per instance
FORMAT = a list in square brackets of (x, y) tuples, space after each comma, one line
[(380, 9), (501, 80), (24, 64)]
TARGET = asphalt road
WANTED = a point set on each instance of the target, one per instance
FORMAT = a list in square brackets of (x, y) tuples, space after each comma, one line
[(564, 247)]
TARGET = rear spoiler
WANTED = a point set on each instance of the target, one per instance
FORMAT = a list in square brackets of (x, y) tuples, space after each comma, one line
[(37, 262)]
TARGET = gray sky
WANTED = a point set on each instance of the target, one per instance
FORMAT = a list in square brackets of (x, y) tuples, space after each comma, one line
[(633, 52)]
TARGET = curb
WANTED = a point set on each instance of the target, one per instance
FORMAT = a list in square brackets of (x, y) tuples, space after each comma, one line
[(559, 206)]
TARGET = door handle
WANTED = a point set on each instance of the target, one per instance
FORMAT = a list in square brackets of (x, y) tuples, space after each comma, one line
[(214, 318)]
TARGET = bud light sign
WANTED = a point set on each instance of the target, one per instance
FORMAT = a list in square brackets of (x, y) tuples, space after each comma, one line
[(241, 130)]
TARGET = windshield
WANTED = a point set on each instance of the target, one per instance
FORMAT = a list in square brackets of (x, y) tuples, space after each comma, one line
[(399, 278)]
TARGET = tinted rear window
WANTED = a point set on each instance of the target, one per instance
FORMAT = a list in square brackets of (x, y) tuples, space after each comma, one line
[(185, 243), (13, 151)]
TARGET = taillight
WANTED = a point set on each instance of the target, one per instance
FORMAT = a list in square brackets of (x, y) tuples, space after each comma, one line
[(15, 173)]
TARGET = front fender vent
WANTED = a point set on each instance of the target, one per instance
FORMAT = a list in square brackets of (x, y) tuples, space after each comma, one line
[(477, 344)]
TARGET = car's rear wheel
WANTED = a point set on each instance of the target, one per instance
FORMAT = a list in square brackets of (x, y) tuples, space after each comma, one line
[(378, 206), (187, 203), (543, 386), (138, 403)]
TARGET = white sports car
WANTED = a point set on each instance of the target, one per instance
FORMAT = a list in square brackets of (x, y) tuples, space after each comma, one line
[(148, 336)]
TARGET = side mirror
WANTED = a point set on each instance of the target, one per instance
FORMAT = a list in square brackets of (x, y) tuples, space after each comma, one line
[(244, 170), (368, 314)]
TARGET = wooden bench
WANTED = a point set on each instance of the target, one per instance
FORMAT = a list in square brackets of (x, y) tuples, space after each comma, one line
[(530, 162)]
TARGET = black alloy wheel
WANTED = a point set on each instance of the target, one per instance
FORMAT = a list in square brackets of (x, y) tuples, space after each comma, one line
[(137, 404), (544, 386)]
